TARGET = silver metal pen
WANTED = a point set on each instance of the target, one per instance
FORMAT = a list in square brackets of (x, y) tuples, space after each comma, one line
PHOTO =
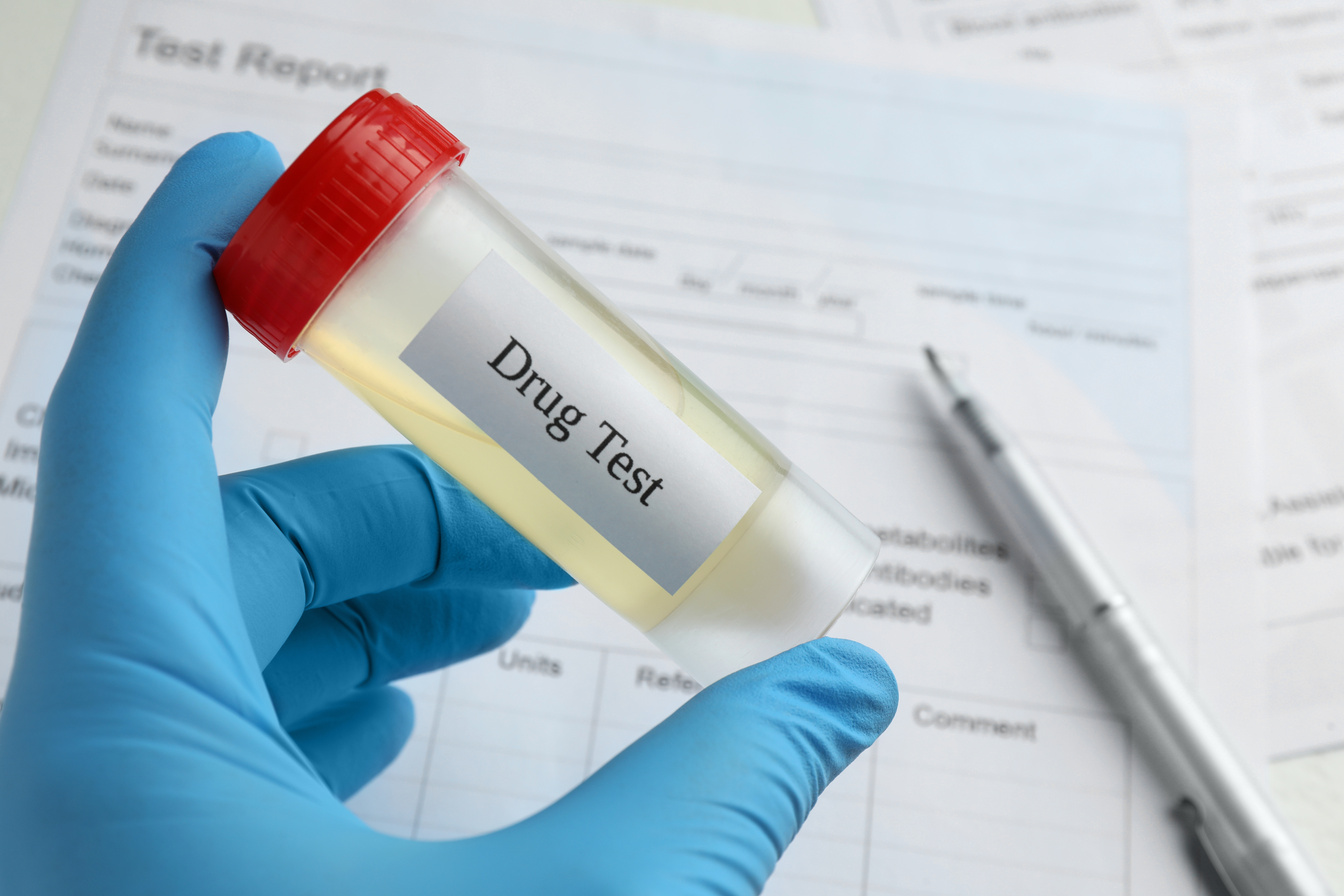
[(1220, 804)]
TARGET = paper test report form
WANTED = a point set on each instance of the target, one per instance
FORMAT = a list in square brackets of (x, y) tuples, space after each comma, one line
[(795, 230), (1283, 59)]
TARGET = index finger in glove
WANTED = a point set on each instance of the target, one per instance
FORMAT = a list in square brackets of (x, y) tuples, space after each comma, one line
[(327, 528)]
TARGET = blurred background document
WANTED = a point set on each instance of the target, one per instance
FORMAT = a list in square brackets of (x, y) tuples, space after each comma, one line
[(1286, 61), (795, 227)]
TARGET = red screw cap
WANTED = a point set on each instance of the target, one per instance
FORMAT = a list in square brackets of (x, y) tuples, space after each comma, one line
[(325, 212)]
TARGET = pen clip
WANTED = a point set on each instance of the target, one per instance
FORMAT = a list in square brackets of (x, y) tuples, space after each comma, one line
[(1208, 866)]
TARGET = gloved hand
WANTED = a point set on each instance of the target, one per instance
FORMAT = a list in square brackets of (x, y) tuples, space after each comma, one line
[(203, 663)]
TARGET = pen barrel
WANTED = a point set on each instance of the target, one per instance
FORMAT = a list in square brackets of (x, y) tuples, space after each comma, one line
[(1241, 829), (1078, 582), (1238, 825)]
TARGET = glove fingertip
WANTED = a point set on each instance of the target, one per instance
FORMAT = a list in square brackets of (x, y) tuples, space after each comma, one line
[(227, 148), (863, 664), (847, 679), (402, 712), (352, 740), (510, 610), (240, 159), (247, 163)]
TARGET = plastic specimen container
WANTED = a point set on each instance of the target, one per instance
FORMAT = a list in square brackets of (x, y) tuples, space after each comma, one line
[(389, 266)]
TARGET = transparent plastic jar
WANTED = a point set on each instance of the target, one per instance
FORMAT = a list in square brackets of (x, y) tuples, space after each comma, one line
[(378, 257)]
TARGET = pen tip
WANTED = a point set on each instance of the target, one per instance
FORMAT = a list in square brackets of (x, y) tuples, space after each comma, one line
[(934, 363), (941, 374)]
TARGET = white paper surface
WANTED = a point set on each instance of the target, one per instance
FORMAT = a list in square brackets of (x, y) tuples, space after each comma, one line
[(794, 230), (1284, 62), (1132, 33), (1295, 133)]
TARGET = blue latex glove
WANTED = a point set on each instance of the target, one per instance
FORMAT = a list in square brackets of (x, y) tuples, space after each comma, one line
[(203, 664)]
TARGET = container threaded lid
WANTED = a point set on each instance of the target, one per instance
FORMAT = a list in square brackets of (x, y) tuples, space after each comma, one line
[(326, 210)]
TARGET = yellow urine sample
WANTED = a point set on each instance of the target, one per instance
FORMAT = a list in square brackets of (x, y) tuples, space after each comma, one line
[(638, 480), (359, 336)]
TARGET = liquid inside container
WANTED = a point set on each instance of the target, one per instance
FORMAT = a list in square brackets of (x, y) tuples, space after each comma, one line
[(791, 557)]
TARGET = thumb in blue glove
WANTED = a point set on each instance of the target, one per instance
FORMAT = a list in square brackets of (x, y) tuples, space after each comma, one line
[(203, 663)]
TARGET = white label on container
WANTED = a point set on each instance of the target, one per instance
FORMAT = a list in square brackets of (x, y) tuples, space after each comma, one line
[(544, 389)]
